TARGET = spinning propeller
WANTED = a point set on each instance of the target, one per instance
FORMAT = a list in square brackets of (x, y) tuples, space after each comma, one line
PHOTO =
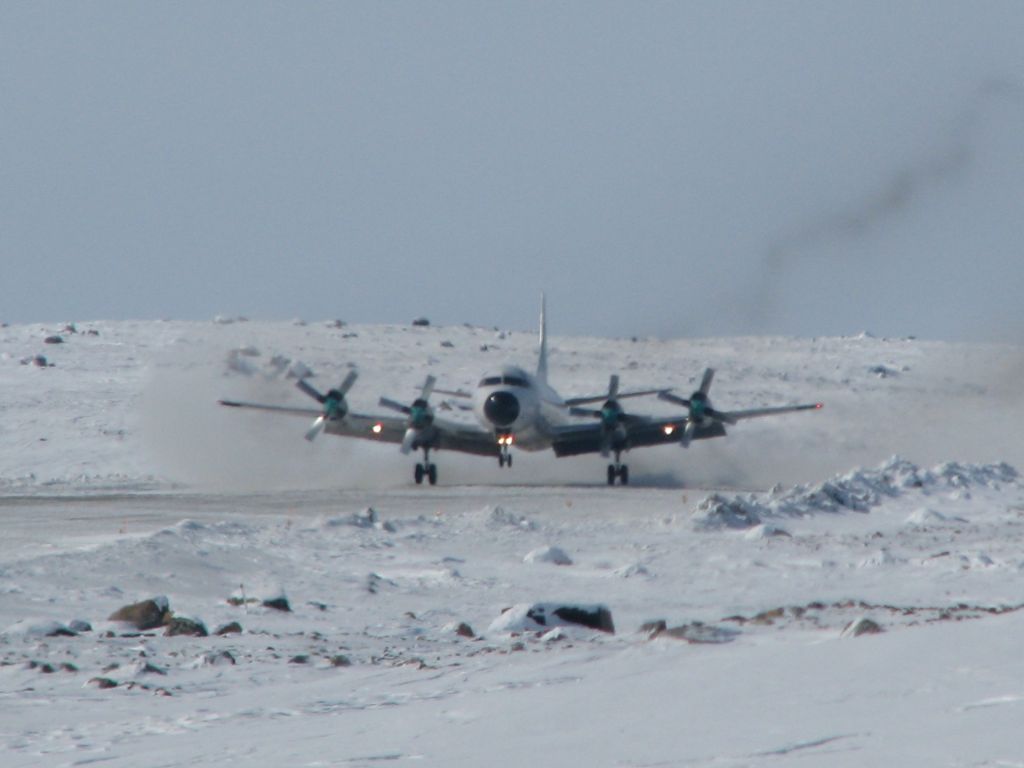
[(699, 407), (421, 415), (333, 402), (611, 414)]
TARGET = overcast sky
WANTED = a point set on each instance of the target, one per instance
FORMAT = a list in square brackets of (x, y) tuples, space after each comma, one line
[(672, 169)]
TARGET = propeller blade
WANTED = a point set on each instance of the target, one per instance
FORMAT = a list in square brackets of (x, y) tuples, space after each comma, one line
[(407, 440), (387, 402), (346, 385), (714, 413), (691, 426), (428, 387), (311, 391), (670, 398), (316, 429), (705, 383), (613, 386)]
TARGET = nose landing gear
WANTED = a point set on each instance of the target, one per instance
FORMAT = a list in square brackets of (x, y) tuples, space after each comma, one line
[(504, 456)]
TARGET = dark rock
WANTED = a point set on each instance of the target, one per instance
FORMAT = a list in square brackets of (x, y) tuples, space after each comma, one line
[(278, 604), (600, 619), (148, 614), (229, 629), (654, 628), (179, 625)]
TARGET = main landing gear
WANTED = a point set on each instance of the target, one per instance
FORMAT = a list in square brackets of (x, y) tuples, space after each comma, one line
[(618, 470), (426, 469)]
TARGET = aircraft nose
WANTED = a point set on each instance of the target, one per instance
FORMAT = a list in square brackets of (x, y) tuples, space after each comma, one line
[(501, 409)]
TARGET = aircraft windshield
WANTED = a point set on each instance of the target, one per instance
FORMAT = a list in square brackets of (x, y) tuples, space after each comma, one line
[(509, 381)]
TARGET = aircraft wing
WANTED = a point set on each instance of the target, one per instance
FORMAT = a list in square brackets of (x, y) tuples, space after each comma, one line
[(391, 429), (753, 413), (577, 439), (465, 438), (290, 410)]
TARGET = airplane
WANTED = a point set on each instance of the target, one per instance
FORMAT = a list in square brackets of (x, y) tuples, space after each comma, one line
[(514, 407)]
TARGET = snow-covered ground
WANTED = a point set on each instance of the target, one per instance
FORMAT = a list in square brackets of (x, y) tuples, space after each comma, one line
[(837, 588)]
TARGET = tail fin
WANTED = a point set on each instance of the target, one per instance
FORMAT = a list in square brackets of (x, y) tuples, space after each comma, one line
[(542, 355)]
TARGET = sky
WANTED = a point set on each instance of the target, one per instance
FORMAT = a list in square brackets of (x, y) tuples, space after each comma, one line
[(669, 169)]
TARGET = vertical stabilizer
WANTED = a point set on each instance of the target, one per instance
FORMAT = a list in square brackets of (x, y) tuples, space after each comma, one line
[(542, 354)]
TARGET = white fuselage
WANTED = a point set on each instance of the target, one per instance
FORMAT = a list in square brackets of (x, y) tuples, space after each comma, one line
[(515, 403)]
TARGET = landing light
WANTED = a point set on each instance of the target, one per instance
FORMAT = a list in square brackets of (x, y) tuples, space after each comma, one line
[(669, 429), (377, 428)]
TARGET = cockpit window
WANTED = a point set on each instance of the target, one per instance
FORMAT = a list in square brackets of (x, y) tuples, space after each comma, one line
[(508, 381)]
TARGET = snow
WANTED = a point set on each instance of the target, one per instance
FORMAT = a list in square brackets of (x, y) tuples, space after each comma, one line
[(412, 634)]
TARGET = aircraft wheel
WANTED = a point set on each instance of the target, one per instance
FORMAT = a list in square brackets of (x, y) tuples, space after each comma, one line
[(432, 474), (419, 474), (624, 475), (611, 474)]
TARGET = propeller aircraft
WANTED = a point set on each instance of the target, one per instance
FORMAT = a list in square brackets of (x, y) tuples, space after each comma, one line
[(514, 407)]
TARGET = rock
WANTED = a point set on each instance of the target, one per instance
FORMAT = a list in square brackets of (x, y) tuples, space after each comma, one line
[(538, 617), (549, 554), (179, 625), (147, 668), (148, 614), (861, 626), (278, 604), (214, 659), (699, 632), (654, 628), (229, 629)]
